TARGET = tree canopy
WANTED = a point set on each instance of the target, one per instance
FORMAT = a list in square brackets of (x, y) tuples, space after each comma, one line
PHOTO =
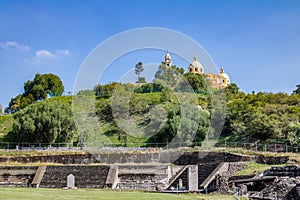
[(294, 133), (156, 108), (44, 122), (138, 70), (297, 91), (261, 116), (42, 86)]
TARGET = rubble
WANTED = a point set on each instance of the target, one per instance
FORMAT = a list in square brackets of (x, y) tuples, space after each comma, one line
[(223, 187), (223, 180), (279, 190), (275, 183)]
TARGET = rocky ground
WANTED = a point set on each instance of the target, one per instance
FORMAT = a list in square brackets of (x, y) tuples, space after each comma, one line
[(286, 185), (283, 189)]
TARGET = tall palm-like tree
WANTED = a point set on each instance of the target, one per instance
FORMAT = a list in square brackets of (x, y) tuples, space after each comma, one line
[(138, 69)]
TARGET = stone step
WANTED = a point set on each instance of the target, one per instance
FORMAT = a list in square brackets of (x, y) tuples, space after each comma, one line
[(176, 176), (38, 176), (205, 170), (112, 177), (219, 169)]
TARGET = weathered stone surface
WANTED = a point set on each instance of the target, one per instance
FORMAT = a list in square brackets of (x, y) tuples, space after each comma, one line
[(70, 181), (87, 176), (175, 157), (283, 189), (192, 178), (16, 176)]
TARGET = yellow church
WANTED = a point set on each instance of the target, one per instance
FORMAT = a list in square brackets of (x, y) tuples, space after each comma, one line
[(218, 81)]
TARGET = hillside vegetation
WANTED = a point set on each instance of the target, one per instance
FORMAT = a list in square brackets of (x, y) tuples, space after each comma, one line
[(152, 114)]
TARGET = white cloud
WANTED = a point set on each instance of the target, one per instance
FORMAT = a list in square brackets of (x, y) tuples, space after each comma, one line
[(44, 54), (64, 52), (14, 44)]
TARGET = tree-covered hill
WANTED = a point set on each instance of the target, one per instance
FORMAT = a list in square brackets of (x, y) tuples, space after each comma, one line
[(151, 113), (261, 116)]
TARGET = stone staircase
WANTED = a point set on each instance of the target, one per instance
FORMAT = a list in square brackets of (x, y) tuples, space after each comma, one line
[(204, 170), (38, 176), (180, 174), (112, 177), (219, 169)]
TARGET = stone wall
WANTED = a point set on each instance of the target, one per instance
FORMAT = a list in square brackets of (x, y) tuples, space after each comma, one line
[(85, 176), (16, 176), (174, 157), (142, 176), (291, 171), (294, 194)]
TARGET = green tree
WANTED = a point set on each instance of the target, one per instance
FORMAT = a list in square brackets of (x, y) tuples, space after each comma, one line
[(42, 86), (203, 127), (297, 91), (294, 133), (44, 122), (19, 102), (149, 88), (138, 70), (86, 92), (195, 81), (238, 128), (232, 89), (105, 91), (170, 127), (168, 76)]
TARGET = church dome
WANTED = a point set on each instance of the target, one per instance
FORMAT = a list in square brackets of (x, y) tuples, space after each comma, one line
[(224, 75), (197, 65)]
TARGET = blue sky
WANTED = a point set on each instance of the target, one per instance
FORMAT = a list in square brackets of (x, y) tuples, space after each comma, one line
[(257, 41)]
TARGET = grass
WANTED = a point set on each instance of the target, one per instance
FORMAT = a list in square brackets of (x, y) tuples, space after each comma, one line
[(40, 153), (294, 156), (254, 168), (91, 194)]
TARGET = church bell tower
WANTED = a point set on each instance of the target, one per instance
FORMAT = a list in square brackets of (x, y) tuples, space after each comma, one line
[(168, 60)]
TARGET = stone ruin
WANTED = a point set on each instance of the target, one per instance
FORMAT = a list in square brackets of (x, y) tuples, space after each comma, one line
[(190, 172), (275, 183)]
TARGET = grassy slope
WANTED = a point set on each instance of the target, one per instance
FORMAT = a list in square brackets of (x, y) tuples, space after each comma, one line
[(50, 194), (6, 123), (294, 156), (254, 168)]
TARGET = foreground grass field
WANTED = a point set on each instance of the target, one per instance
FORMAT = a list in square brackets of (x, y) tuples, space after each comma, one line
[(90, 194)]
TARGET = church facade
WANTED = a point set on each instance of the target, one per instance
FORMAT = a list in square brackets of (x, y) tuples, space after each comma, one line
[(218, 81)]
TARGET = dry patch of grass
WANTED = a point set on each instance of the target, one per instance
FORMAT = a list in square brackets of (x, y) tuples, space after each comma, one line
[(7, 153), (294, 156)]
